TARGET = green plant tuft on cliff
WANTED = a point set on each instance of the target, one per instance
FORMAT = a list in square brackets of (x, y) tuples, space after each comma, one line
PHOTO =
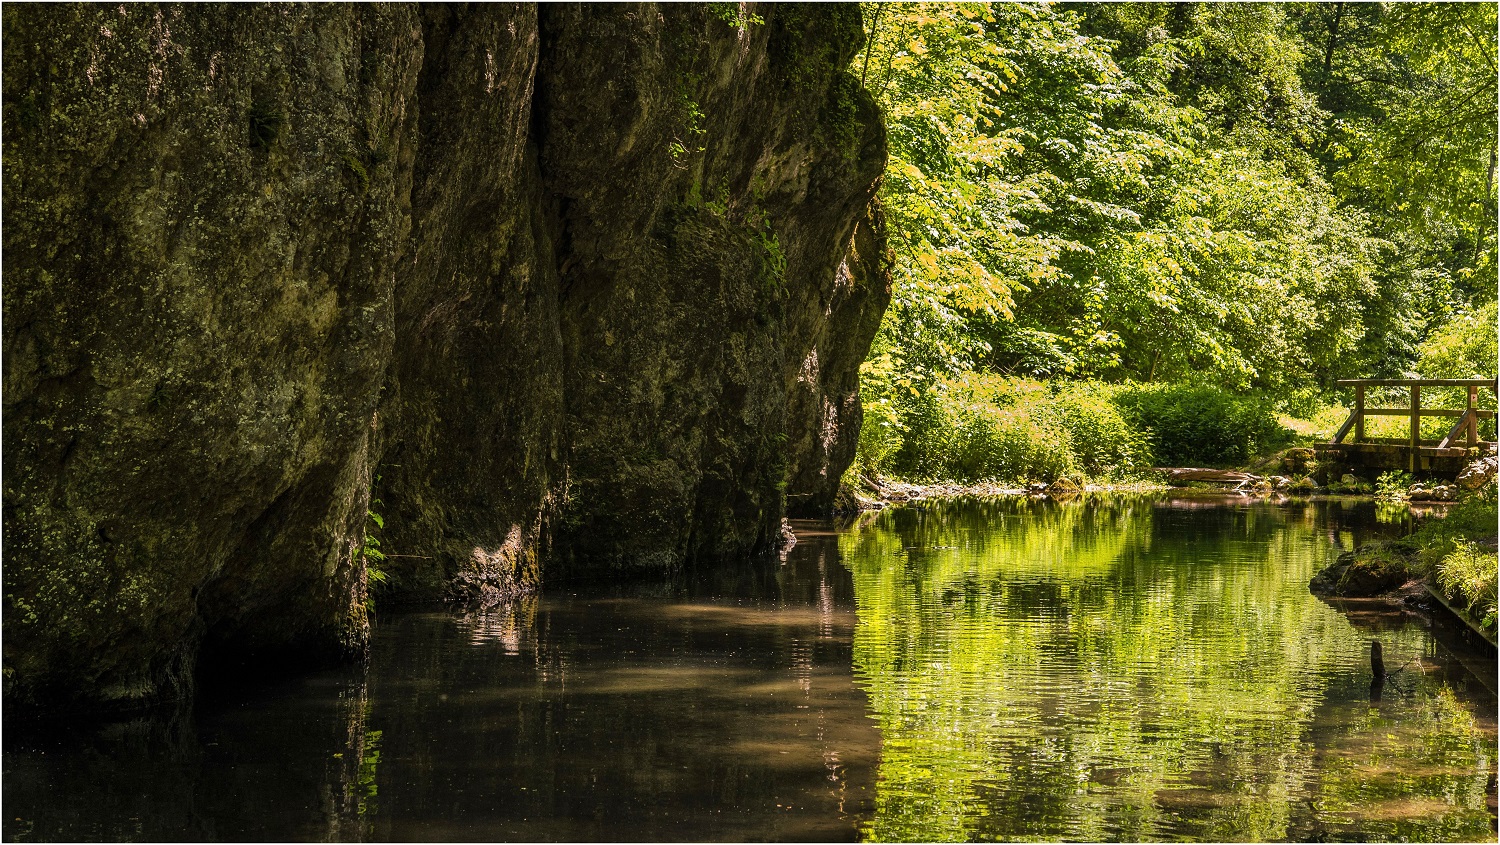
[(371, 555), (689, 142), (266, 123), (773, 259), (735, 15)]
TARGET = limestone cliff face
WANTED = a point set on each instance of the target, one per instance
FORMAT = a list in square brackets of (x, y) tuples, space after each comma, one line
[(573, 289)]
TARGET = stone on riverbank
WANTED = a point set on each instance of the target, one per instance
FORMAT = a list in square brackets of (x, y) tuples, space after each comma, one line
[(1479, 473), (1374, 568)]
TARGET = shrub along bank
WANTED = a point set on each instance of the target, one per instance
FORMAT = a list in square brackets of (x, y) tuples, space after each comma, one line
[(983, 427), (1454, 553), (1457, 552)]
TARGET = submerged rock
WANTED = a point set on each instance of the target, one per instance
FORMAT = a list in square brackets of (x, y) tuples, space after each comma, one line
[(1372, 569), (570, 289)]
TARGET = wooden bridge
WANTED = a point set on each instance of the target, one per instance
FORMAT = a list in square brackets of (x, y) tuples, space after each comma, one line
[(1412, 453)]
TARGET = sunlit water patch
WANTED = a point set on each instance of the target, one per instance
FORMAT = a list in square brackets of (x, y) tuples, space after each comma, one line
[(1146, 669)]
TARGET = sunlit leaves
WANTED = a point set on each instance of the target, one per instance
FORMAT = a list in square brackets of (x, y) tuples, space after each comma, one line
[(1181, 191), (1427, 151)]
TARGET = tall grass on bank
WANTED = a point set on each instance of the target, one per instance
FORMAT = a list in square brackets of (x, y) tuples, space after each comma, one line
[(1453, 552), (984, 427)]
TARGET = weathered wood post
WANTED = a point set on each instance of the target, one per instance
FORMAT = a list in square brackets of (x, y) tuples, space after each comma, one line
[(1470, 407), (1416, 426), (1377, 671), (1359, 413)]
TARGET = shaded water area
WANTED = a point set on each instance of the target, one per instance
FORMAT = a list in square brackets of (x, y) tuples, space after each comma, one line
[(1133, 668)]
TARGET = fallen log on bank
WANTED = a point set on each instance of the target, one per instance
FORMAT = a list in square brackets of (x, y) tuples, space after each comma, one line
[(1180, 476)]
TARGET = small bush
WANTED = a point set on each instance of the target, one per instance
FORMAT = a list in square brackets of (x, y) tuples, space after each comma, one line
[(985, 427), (1200, 425), (1450, 552), (1472, 518), (1393, 486), (995, 428), (1469, 575), (880, 435), (1005, 444), (951, 435), (1101, 439), (928, 428)]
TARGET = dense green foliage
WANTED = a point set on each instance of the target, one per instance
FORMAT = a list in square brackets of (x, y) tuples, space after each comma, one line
[(1458, 552), (983, 427), (989, 428), (1261, 197), (1191, 425), (1465, 346)]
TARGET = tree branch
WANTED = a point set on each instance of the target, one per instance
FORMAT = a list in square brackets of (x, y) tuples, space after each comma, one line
[(870, 46)]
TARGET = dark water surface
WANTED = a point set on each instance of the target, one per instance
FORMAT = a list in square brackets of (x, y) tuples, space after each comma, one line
[(1120, 668)]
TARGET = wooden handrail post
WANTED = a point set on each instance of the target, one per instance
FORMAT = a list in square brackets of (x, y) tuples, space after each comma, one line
[(1359, 413), (1470, 406), (1416, 426)]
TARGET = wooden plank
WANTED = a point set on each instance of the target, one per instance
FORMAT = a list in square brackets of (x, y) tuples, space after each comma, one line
[(1461, 425), (1359, 413), (1396, 452), (1344, 429), (1472, 407), (1426, 412), (1416, 428), (1395, 445), (1423, 382)]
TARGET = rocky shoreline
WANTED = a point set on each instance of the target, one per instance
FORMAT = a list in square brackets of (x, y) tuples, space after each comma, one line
[(877, 494)]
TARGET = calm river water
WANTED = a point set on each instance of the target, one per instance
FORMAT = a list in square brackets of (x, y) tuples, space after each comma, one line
[(1122, 668)]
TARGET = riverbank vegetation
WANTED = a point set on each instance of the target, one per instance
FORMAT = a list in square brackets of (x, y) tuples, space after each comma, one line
[(1127, 235), (1458, 554)]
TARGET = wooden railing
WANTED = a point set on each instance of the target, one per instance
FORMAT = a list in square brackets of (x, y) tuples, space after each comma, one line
[(1467, 425)]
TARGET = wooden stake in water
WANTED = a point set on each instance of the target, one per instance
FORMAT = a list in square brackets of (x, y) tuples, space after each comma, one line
[(1377, 670)]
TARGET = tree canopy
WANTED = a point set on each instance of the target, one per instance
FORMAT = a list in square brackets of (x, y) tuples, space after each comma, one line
[(1267, 197)]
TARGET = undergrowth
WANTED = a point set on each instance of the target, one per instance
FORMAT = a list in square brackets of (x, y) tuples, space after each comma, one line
[(1453, 553), (984, 427)]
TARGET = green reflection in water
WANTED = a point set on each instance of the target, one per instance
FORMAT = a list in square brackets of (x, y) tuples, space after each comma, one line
[(1136, 669)]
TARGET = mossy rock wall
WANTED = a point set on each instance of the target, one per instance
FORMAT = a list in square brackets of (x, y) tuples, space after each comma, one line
[(570, 289)]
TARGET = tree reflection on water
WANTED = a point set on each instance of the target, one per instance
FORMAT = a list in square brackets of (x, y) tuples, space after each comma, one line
[(1125, 668)]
